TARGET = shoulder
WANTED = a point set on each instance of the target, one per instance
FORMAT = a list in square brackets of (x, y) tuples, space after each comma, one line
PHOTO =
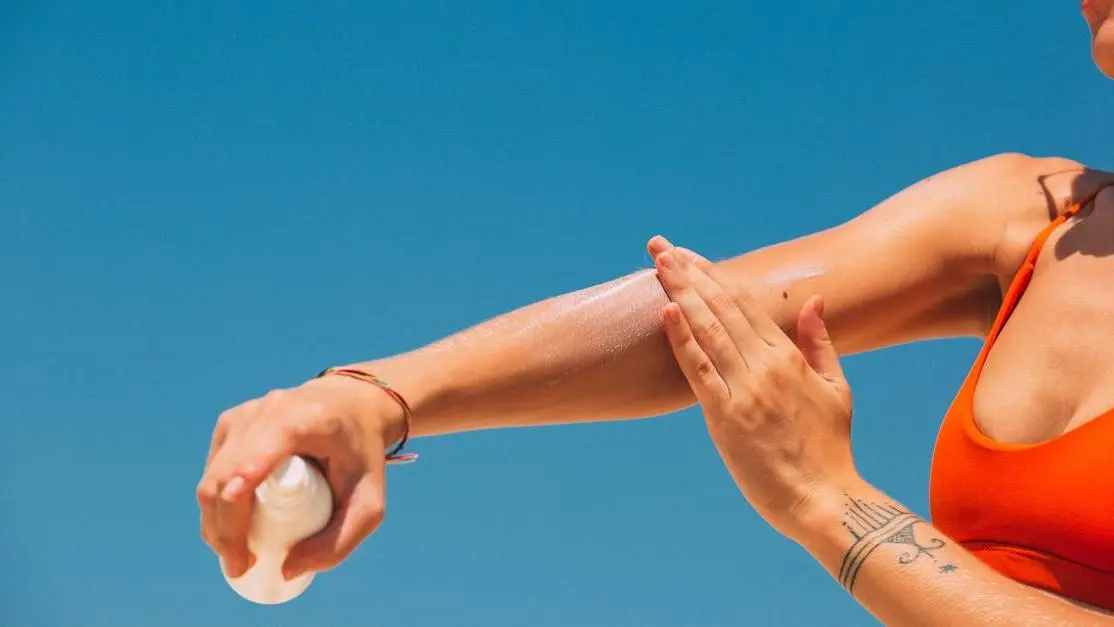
[(989, 211), (977, 214), (1030, 193), (1038, 189), (1019, 187)]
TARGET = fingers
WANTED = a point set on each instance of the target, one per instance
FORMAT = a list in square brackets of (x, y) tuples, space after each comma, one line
[(718, 291), (763, 326), (358, 514), (657, 245), (223, 525), (708, 327), (706, 383), (242, 459)]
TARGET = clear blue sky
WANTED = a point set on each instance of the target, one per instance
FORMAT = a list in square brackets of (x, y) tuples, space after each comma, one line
[(202, 200)]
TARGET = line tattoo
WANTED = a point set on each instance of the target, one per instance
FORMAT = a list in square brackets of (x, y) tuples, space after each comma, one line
[(871, 525)]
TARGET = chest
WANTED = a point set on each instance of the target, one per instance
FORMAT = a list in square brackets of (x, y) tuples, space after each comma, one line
[(1051, 369)]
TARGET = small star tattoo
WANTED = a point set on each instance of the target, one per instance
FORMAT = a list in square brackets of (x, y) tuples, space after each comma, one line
[(947, 568)]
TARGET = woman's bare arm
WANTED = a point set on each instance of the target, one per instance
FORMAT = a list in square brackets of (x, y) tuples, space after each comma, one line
[(925, 263), (905, 572)]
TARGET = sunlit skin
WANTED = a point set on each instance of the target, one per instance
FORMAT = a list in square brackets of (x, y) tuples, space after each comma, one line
[(1097, 14), (899, 272)]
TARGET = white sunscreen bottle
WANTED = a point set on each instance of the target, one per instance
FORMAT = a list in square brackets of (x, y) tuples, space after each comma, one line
[(292, 504)]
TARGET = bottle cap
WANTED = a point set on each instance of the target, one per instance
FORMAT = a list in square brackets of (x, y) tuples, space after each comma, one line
[(290, 477)]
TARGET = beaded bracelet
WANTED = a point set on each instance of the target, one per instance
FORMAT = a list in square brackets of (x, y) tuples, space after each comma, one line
[(395, 456)]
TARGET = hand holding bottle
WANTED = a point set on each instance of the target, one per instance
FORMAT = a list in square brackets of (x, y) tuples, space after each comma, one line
[(343, 424)]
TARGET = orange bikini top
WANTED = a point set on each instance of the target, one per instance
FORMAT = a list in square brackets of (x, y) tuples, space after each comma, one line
[(1041, 514)]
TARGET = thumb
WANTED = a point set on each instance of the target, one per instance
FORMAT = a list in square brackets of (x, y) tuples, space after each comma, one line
[(355, 518), (814, 342)]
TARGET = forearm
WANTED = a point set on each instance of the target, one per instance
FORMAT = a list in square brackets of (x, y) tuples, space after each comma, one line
[(592, 355), (601, 353), (595, 354), (906, 572)]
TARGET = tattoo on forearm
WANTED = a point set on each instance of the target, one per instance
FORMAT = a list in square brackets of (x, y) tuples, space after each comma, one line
[(871, 525)]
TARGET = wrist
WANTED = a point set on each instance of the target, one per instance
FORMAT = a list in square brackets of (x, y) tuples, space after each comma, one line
[(378, 415), (820, 517), (414, 377)]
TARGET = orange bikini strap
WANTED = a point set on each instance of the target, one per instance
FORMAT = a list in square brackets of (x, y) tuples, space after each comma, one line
[(1021, 278), (1042, 237)]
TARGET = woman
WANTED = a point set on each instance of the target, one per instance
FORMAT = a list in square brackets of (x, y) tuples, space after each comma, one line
[(780, 415), (936, 260)]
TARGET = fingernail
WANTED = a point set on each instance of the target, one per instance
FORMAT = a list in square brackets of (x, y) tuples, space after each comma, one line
[(290, 572), (232, 489), (665, 260), (672, 314), (658, 243), (235, 568)]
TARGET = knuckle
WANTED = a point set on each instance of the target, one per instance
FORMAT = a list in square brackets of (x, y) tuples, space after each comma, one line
[(740, 406), (761, 405), (740, 293), (768, 376), (314, 416), (230, 545), (788, 354), (368, 516), (274, 397), (720, 300), (787, 361), (206, 493), (227, 417), (778, 374), (314, 409), (285, 434), (215, 544), (704, 368), (711, 329), (798, 362)]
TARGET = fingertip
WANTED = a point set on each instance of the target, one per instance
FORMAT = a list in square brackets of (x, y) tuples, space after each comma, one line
[(248, 561), (672, 313), (813, 308), (291, 569), (657, 245), (235, 566), (312, 553), (234, 489)]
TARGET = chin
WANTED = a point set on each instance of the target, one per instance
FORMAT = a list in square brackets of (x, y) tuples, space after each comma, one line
[(1105, 61), (1102, 48)]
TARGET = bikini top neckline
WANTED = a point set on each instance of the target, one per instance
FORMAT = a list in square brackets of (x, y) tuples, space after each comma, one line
[(1011, 299)]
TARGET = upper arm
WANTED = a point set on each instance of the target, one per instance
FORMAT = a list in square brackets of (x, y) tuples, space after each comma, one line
[(927, 262)]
